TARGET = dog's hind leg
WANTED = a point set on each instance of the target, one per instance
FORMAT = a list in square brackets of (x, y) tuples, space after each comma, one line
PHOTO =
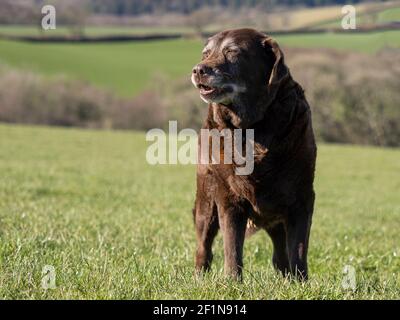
[(298, 232), (206, 223)]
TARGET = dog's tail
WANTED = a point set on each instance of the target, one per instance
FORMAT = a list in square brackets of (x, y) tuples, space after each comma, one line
[(251, 228)]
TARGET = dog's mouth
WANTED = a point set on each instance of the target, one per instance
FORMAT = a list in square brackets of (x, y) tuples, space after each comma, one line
[(215, 90), (206, 90)]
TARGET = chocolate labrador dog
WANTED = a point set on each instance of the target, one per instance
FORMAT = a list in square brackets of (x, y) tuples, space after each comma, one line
[(243, 78)]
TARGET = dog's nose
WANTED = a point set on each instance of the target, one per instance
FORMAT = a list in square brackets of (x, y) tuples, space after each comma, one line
[(201, 69)]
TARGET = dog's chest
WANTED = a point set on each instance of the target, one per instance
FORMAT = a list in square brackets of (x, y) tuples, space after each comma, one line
[(266, 187), (257, 177)]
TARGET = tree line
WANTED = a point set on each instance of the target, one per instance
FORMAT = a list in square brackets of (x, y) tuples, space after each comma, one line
[(136, 7)]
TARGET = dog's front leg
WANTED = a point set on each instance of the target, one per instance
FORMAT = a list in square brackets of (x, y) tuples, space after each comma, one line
[(233, 221), (206, 222)]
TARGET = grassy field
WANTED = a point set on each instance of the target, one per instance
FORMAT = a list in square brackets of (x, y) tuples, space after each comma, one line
[(112, 226), (128, 68), (389, 15), (362, 42), (295, 18), (27, 30), (362, 18), (124, 67)]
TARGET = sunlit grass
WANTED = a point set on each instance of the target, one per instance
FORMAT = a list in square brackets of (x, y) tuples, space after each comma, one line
[(87, 203)]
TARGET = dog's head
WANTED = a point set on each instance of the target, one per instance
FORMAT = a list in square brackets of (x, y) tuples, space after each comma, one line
[(239, 68)]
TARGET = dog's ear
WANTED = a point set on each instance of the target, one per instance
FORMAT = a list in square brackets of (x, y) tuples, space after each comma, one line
[(279, 70)]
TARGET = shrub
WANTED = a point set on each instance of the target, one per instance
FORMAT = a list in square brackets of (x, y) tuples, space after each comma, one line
[(33, 99), (354, 97)]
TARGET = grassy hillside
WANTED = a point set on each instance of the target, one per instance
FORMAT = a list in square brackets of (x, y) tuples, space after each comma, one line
[(289, 19), (389, 15), (27, 30), (128, 68), (87, 203), (361, 42), (298, 18), (362, 18), (124, 67)]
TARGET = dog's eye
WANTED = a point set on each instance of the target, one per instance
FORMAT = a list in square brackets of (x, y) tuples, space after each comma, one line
[(231, 53), (206, 54)]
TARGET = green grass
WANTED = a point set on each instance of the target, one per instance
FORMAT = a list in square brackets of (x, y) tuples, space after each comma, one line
[(389, 15), (361, 42), (22, 30), (87, 203), (384, 16), (128, 68), (124, 67)]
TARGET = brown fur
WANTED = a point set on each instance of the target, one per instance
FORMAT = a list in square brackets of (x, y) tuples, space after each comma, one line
[(278, 196)]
